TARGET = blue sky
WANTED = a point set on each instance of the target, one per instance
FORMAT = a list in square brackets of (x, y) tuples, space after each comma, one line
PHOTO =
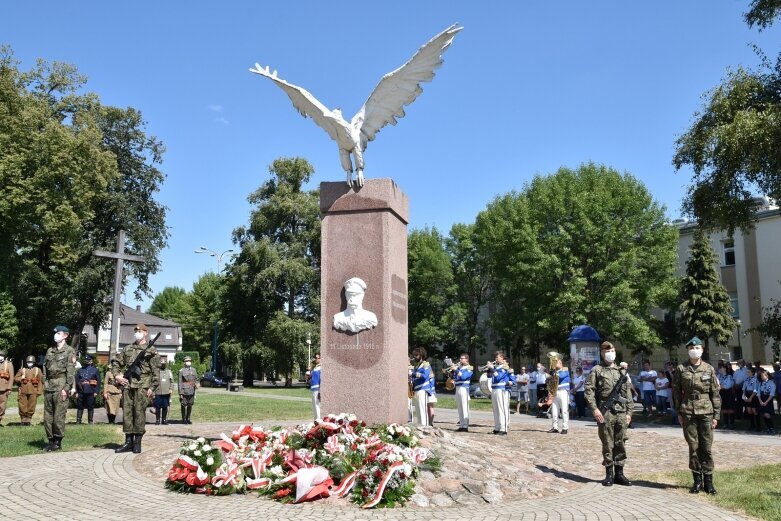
[(527, 87)]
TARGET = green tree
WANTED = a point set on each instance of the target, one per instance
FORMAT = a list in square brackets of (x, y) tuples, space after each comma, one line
[(732, 144), (66, 191), (205, 301), (579, 246), (705, 308), (431, 289), (9, 331), (173, 303), (770, 327), (277, 270)]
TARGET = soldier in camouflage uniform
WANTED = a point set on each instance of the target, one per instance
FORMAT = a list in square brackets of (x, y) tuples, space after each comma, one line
[(59, 369), (697, 400), (142, 365), (612, 425)]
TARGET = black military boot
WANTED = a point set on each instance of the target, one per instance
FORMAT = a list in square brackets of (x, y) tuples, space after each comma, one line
[(91, 416), (697, 486), (79, 414), (49, 447), (57, 443), (620, 479), (165, 416), (127, 446), (137, 443), (709, 488), (608, 481), (184, 414), (157, 416), (189, 412), (111, 418)]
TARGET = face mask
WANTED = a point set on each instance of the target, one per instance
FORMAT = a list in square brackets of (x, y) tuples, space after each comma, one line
[(695, 353), (610, 357), (30, 364), (188, 364), (2, 359), (138, 335), (58, 337)]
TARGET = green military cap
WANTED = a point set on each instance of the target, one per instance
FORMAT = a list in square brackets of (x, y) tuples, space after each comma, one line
[(695, 341), (188, 359), (62, 329)]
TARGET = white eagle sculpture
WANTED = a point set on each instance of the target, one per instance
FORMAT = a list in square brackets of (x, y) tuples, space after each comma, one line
[(385, 105)]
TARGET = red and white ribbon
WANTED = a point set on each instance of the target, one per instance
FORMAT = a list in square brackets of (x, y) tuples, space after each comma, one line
[(384, 483)]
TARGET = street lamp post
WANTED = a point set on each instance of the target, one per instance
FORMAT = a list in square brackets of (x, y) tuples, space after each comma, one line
[(740, 347), (218, 257), (309, 348)]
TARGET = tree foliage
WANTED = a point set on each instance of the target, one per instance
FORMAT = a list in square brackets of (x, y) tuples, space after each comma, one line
[(579, 246), (770, 327), (705, 308), (272, 289), (73, 173), (732, 144), (172, 304)]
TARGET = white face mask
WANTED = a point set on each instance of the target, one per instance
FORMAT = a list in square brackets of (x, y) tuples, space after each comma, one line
[(138, 335), (2, 359), (188, 364), (30, 364), (610, 357), (695, 353), (58, 337)]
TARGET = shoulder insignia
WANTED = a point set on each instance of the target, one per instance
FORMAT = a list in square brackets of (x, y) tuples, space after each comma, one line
[(424, 364), (469, 367)]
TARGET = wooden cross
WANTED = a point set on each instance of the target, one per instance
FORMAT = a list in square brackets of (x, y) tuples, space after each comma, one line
[(121, 257)]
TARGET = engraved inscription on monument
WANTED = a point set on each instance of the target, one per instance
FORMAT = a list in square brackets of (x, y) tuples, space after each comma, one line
[(399, 299)]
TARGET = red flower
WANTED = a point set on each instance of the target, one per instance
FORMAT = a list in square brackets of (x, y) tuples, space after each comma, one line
[(378, 473), (282, 492)]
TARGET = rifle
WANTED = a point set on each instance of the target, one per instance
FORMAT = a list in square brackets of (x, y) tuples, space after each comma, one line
[(615, 395), (135, 367)]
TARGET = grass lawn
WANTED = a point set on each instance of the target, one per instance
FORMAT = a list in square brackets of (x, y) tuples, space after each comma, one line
[(19, 441), (448, 401), (301, 392), (231, 407), (753, 490)]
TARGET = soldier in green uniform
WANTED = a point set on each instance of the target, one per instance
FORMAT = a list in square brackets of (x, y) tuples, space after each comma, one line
[(137, 371), (188, 383), (696, 398), (612, 425), (59, 369)]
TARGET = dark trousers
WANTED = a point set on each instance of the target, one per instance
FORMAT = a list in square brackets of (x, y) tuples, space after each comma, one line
[(580, 403)]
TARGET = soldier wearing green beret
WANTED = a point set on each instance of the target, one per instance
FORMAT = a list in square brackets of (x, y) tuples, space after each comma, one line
[(137, 371), (696, 398), (59, 368)]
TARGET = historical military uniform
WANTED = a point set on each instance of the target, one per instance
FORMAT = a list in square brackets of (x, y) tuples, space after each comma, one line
[(6, 382), (59, 371), (697, 400), (140, 365), (163, 395), (30, 382), (112, 395), (613, 431), (188, 383), (87, 385), (315, 388), (421, 385), (500, 396), (462, 377)]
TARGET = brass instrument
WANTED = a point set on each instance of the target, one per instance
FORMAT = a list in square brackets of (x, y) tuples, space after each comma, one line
[(450, 384), (410, 390), (553, 380), (486, 367)]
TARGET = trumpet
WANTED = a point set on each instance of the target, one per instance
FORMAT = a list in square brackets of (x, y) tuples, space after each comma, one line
[(488, 366)]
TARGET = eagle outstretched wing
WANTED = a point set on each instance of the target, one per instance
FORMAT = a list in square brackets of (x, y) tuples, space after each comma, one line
[(308, 106), (400, 87)]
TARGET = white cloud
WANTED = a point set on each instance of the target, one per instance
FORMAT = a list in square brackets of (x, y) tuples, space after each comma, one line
[(215, 108), (222, 120)]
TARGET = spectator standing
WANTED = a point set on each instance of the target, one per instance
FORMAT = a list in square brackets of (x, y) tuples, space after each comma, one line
[(727, 393), (662, 385), (669, 369), (750, 401), (533, 388), (740, 376), (767, 390), (523, 389), (579, 390), (647, 378), (542, 378)]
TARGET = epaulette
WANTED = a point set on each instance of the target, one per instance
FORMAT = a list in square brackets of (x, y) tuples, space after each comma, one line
[(505, 366), (424, 364), (511, 370), (469, 367)]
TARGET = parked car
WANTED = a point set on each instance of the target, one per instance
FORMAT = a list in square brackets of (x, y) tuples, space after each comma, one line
[(209, 379), (476, 392)]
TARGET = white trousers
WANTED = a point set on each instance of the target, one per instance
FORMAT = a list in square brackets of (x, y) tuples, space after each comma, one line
[(500, 400), (560, 403), (462, 404), (316, 404), (420, 408)]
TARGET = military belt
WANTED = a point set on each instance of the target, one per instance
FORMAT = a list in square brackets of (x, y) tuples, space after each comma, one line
[(57, 375)]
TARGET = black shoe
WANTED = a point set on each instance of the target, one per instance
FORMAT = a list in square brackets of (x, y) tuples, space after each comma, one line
[(564, 431), (502, 433), (552, 431), (496, 432), (619, 478), (137, 443), (608, 481), (697, 485), (56, 444), (462, 429), (709, 488), (127, 446), (50, 446)]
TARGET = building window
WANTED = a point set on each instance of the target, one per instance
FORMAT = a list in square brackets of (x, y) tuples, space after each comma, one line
[(729, 252), (737, 352), (733, 300)]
